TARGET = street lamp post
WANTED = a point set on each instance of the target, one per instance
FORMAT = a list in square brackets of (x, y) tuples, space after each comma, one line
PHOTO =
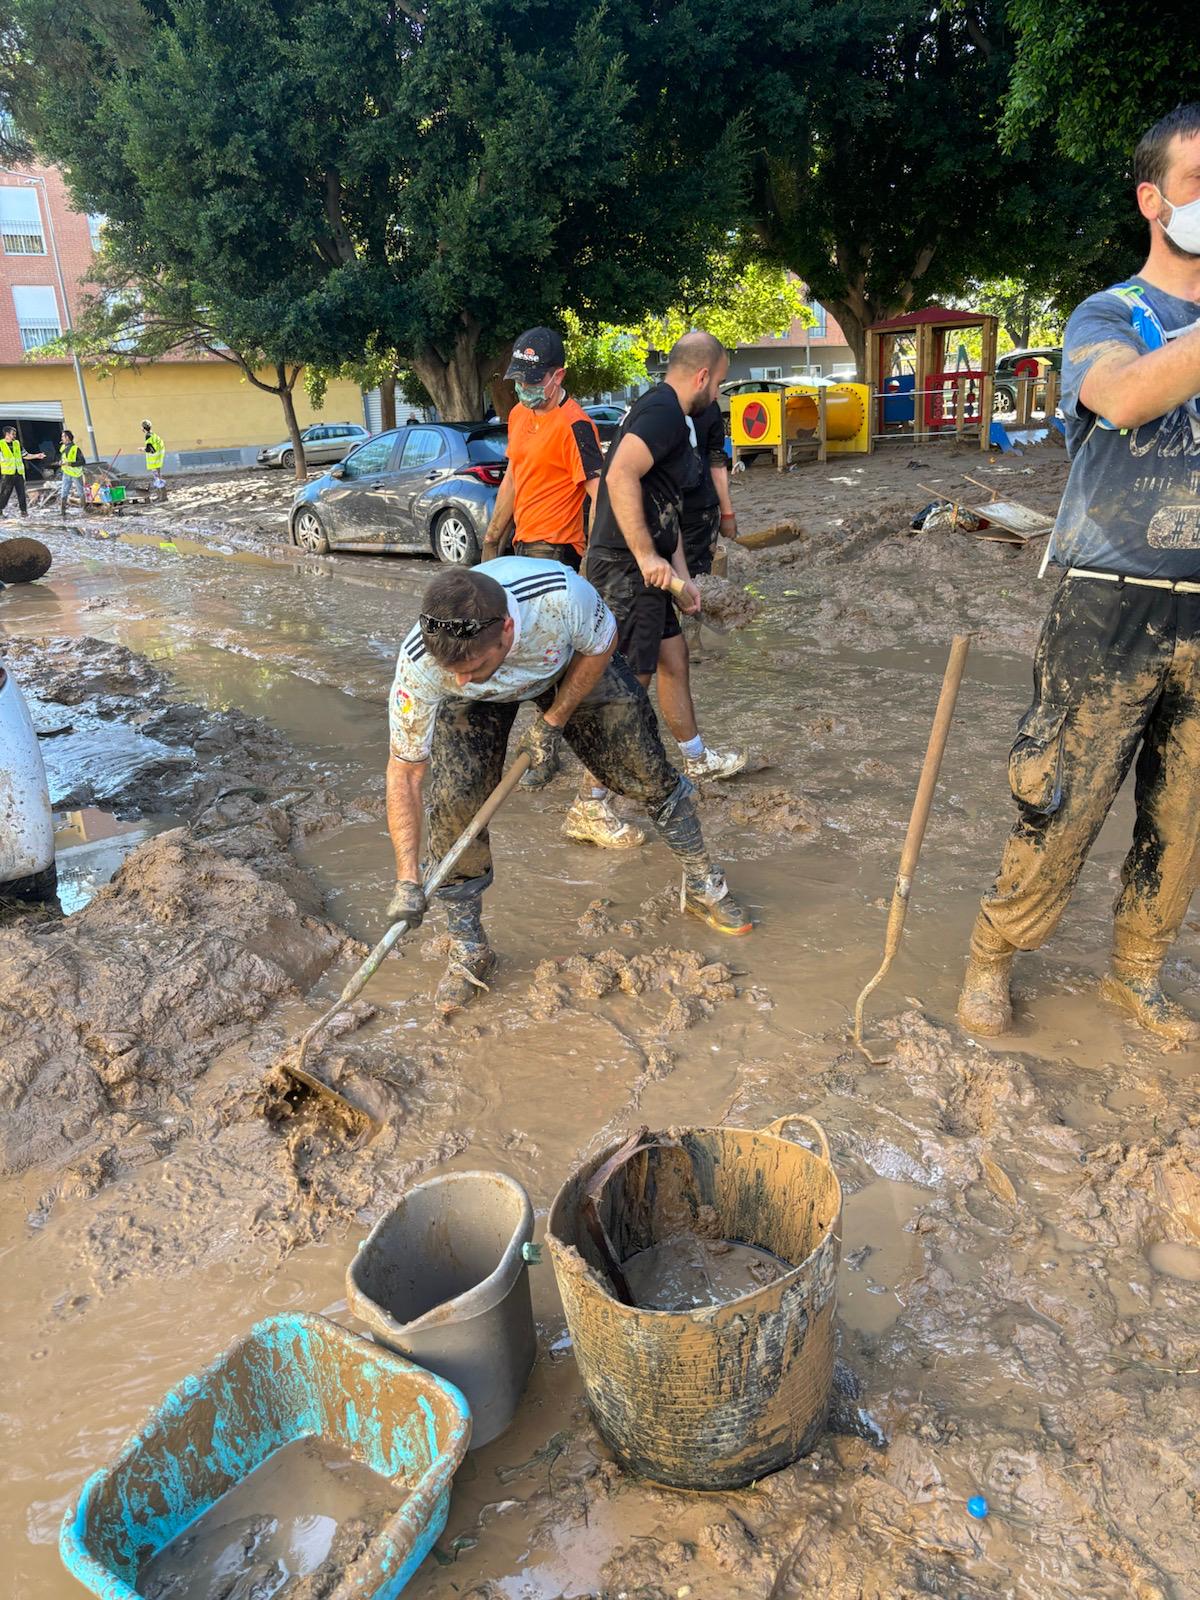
[(28, 178)]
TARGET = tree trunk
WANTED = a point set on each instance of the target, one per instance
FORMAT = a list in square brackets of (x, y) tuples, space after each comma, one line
[(387, 403), (455, 382), (852, 319), (288, 401)]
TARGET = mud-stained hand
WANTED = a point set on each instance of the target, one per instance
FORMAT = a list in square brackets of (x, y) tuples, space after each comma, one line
[(407, 904), (688, 599), (729, 525), (656, 572), (542, 743)]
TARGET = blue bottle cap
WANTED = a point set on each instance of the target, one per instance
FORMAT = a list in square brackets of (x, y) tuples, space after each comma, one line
[(977, 1506)]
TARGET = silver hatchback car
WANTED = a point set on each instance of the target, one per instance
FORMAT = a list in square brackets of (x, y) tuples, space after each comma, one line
[(323, 442)]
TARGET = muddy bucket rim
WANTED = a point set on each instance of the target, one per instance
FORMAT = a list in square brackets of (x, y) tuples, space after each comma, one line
[(472, 1302), (832, 1229)]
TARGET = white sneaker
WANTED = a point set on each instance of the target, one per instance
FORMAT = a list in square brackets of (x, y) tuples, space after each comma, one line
[(595, 822), (714, 764)]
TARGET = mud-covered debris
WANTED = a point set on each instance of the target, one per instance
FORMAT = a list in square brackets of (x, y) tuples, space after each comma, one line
[(727, 603), (23, 560), (694, 985)]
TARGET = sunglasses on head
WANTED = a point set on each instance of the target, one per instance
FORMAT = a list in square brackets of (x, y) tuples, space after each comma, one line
[(457, 627)]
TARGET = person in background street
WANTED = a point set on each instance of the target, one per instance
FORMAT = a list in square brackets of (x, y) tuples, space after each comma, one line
[(487, 639), (71, 460), (707, 514), (635, 548), (554, 464), (12, 468), (1117, 669), (155, 456)]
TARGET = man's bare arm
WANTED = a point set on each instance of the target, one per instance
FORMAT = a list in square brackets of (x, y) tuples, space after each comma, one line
[(502, 516), (720, 478), (628, 466), (405, 782), (1128, 389), (580, 678)]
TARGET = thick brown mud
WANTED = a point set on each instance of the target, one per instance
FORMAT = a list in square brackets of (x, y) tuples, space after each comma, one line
[(1020, 1287)]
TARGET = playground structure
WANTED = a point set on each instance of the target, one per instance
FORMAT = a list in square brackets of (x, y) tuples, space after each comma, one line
[(935, 398), (801, 421), (921, 387)]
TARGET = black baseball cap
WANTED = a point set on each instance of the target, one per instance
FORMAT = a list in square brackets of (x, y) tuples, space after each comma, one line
[(536, 352)]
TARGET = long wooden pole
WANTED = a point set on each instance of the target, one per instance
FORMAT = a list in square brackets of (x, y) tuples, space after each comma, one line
[(917, 823)]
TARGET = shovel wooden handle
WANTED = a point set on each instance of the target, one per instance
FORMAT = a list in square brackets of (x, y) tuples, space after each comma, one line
[(919, 819)]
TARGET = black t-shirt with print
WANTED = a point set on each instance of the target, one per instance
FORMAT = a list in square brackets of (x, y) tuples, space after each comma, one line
[(658, 420), (710, 449)]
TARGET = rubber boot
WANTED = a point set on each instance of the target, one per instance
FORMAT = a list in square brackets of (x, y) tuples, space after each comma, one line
[(985, 1001), (472, 960), (705, 893), (1133, 984)]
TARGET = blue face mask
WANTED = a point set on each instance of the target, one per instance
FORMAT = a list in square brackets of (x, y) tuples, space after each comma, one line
[(532, 395)]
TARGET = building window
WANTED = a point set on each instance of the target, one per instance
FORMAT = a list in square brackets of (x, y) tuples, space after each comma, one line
[(37, 314), (96, 221), (21, 222), (817, 331)]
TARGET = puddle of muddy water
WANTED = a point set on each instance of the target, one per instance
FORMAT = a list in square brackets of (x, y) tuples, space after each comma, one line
[(880, 1253), (89, 847)]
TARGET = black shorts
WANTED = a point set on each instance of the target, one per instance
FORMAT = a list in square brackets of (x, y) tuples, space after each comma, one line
[(645, 616), (544, 550), (699, 533)]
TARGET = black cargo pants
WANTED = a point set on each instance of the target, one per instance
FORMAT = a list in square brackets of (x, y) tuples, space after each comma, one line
[(613, 731), (1116, 676)]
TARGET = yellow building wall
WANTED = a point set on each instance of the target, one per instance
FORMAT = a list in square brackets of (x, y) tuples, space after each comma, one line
[(202, 405)]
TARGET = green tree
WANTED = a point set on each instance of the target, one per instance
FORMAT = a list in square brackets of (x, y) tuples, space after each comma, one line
[(1097, 75), (1027, 316), (127, 323), (878, 176), (601, 358), (339, 171), (736, 300)]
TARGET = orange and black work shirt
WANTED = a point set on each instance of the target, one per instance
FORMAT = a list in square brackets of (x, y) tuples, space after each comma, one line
[(553, 456)]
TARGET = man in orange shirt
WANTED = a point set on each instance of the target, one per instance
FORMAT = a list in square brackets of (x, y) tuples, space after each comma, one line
[(554, 464)]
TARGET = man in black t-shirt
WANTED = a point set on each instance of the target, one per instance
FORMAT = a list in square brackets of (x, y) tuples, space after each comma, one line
[(635, 549)]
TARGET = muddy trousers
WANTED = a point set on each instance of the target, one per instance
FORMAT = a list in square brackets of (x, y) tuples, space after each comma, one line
[(13, 483), (1116, 677), (613, 731)]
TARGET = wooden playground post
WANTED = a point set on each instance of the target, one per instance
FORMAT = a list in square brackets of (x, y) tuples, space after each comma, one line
[(1050, 401), (987, 394), (822, 437)]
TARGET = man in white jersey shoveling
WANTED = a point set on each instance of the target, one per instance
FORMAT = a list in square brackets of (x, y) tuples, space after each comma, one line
[(486, 640)]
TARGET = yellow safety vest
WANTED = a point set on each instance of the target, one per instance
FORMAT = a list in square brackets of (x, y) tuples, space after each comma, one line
[(11, 463), (154, 453), (72, 468)]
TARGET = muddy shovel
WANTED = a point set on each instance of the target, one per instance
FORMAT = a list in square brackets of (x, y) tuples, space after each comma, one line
[(678, 594), (917, 823), (358, 982)]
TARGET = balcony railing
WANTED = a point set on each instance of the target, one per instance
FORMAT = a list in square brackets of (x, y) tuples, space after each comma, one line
[(24, 244), (33, 337)]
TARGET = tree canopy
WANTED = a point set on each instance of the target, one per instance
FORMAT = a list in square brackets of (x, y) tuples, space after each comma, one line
[(340, 172), (1098, 75)]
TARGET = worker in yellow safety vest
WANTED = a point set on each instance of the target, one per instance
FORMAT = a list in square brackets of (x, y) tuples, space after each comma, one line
[(12, 468), (155, 456), (70, 459)]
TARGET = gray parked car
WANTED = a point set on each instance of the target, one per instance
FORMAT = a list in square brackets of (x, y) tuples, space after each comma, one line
[(323, 442), (420, 490)]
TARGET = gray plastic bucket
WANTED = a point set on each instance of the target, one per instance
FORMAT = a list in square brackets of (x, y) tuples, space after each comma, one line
[(442, 1278)]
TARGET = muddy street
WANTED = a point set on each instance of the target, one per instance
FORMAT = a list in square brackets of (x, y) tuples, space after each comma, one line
[(1019, 1299)]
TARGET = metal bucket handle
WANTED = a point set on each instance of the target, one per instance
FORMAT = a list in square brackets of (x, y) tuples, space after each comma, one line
[(780, 1123)]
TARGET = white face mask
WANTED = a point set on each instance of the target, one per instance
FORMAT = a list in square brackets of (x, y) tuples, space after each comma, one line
[(1184, 227)]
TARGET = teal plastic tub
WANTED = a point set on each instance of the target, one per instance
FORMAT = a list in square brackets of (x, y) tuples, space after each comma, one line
[(291, 1377)]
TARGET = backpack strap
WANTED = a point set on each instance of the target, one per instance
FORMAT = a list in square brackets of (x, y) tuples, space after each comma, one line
[(1144, 321)]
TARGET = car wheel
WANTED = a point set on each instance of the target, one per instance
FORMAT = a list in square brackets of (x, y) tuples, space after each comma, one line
[(288, 458), (309, 534), (454, 540), (1003, 400)]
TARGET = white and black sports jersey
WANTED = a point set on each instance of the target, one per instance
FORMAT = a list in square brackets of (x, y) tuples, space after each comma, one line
[(555, 614)]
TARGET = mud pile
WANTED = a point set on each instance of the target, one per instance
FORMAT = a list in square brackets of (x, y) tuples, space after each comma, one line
[(726, 603), (119, 1010)]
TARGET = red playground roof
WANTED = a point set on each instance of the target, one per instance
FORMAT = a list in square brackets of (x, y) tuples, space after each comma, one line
[(939, 316)]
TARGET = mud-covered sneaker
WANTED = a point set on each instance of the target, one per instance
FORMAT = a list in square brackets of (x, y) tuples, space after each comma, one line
[(714, 764), (595, 822), (985, 1002), (466, 975), (713, 903), (1142, 997)]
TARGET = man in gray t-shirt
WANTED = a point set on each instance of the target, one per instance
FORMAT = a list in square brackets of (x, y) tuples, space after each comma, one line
[(1117, 670)]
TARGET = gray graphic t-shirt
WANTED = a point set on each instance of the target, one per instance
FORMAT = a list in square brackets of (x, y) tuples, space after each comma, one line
[(1132, 501)]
